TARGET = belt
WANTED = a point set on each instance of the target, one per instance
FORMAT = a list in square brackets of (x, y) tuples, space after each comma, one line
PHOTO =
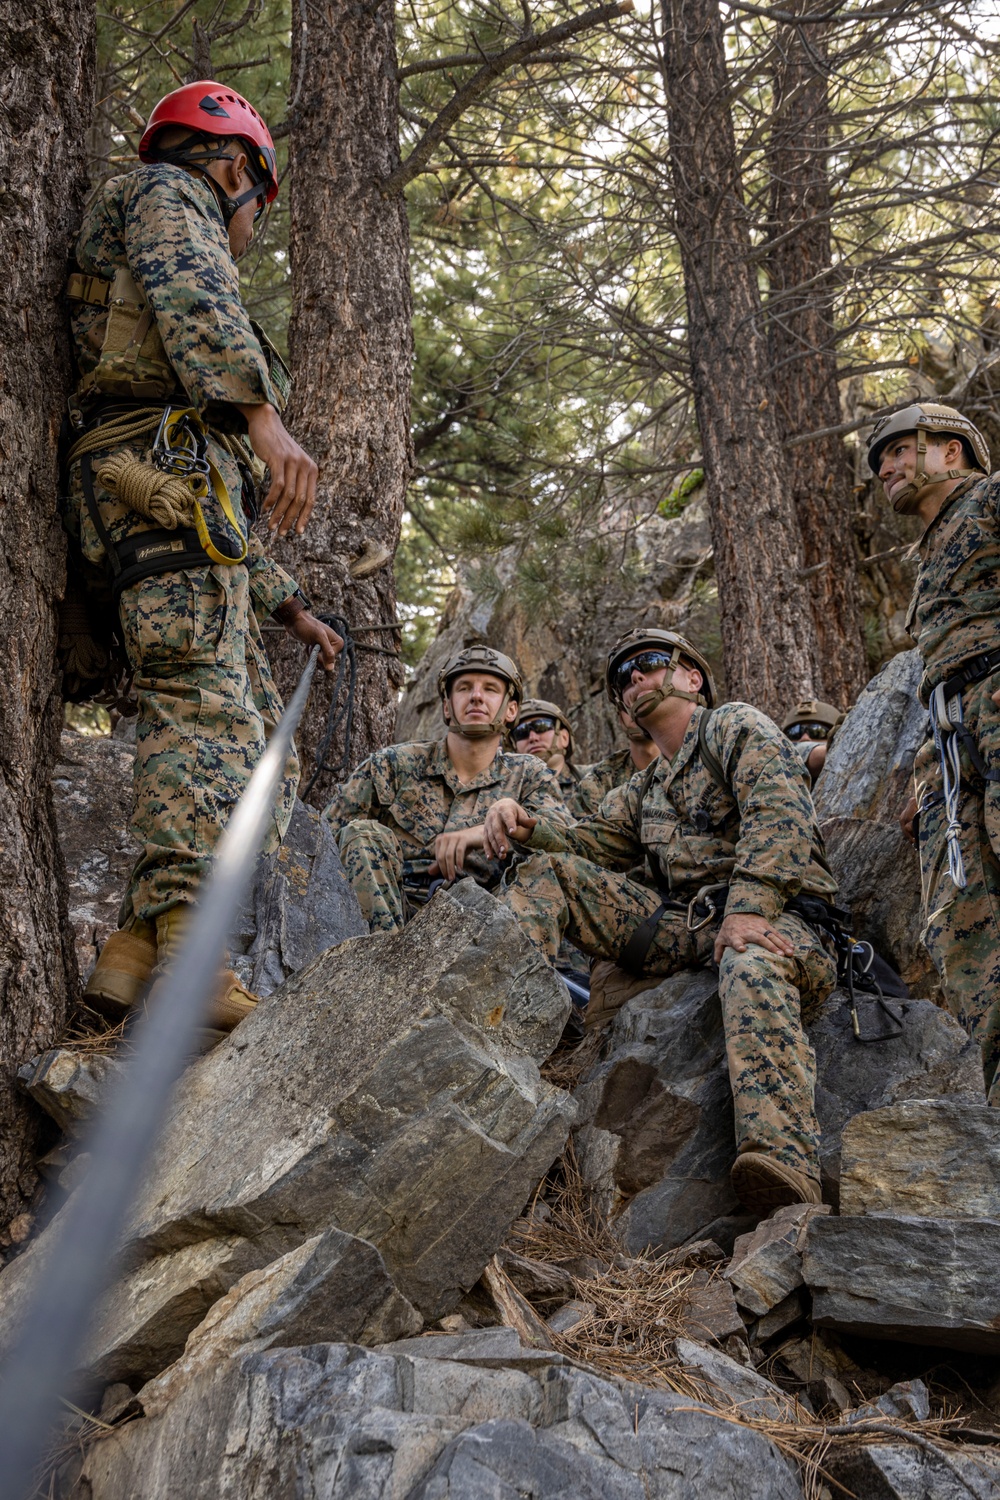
[(970, 671)]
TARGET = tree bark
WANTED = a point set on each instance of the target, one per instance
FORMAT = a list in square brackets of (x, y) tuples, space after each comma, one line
[(48, 70), (767, 633), (351, 347), (804, 358)]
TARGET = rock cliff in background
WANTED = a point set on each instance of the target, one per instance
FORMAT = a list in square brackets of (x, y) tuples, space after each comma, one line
[(859, 797), (564, 660)]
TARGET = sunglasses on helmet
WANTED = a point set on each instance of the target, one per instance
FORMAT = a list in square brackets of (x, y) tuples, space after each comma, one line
[(644, 662), (810, 730), (532, 726)]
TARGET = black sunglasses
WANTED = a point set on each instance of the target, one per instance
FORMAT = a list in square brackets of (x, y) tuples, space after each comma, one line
[(808, 731), (645, 662), (532, 726)]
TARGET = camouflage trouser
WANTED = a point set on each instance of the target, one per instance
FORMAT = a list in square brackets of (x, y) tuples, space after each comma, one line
[(373, 861), (206, 706), (772, 1068), (962, 926)]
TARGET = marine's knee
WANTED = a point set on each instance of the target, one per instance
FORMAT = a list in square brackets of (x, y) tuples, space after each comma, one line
[(364, 836), (755, 969)]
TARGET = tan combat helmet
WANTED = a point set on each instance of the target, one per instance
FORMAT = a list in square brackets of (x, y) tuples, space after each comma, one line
[(923, 418), (813, 711), (671, 645), (542, 708), (481, 659)]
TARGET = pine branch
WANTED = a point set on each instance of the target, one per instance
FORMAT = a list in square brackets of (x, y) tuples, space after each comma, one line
[(481, 81)]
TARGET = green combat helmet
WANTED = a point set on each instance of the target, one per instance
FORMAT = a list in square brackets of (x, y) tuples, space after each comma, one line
[(541, 708), (480, 659), (923, 418), (812, 719), (675, 650)]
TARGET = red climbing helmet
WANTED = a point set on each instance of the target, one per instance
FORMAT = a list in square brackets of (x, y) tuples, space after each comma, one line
[(216, 110)]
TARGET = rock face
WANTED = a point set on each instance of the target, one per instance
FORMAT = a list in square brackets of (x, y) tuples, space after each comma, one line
[(863, 788), (301, 903), (333, 1422), (767, 1263), (564, 659), (938, 1159), (390, 1091), (918, 1280), (656, 1139), (92, 794)]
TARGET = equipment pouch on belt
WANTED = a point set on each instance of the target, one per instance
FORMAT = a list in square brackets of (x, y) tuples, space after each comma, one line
[(133, 363)]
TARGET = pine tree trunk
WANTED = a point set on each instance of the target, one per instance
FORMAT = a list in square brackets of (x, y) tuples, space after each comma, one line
[(764, 606), (351, 346), (804, 358), (48, 82)]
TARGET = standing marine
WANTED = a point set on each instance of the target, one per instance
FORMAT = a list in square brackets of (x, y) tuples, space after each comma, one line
[(175, 415), (933, 462), (737, 877), (413, 815)]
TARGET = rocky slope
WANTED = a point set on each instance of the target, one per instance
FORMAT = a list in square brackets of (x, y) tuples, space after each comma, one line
[(397, 1242)]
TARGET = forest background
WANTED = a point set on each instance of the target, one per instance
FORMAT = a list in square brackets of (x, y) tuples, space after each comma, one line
[(552, 280)]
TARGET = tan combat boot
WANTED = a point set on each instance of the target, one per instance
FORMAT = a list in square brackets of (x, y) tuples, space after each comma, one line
[(232, 1002), (762, 1182), (123, 970)]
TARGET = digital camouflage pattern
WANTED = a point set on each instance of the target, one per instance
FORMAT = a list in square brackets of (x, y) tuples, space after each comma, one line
[(598, 780), (764, 841), (953, 616), (166, 226), (206, 706), (389, 811), (206, 698), (956, 597)]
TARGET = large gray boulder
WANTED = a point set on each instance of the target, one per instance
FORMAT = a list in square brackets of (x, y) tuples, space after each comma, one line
[(332, 1422), (301, 903), (390, 1091), (863, 789), (916, 1280), (656, 1137), (936, 1158)]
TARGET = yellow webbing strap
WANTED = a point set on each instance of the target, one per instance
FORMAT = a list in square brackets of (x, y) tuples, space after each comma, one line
[(178, 416)]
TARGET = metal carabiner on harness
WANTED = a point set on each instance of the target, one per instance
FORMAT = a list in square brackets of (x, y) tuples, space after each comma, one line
[(705, 898), (180, 447), (946, 718)]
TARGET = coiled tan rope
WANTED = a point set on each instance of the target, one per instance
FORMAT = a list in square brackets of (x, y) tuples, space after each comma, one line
[(161, 498)]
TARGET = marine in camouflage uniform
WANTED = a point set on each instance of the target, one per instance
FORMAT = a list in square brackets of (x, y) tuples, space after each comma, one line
[(614, 770), (389, 812), (953, 617), (758, 844), (206, 698), (543, 729)]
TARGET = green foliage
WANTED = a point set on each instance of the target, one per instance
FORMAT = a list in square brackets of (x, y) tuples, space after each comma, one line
[(675, 503)]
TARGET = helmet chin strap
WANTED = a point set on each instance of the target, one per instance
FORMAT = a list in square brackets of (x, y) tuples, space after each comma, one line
[(640, 736), (645, 704), (907, 498)]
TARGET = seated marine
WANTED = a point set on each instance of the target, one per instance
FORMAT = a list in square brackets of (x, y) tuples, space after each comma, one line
[(412, 814), (811, 726), (618, 767), (738, 878), (541, 728)]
